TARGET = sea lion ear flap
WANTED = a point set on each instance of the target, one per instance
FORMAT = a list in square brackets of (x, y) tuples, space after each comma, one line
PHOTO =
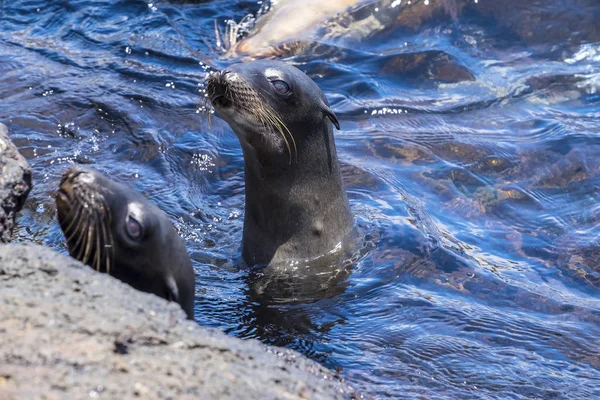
[(329, 114)]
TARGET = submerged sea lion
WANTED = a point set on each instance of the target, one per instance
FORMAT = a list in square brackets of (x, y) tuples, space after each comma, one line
[(116, 230), (290, 25), (296, 205), (289, 19)]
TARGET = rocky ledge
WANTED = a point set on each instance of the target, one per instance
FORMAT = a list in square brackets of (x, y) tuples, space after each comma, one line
[(68, 332), (15, 184)]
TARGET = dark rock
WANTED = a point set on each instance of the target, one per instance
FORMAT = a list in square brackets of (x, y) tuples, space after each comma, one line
[(15, 184), (427, 65), (68, 332), (543, 21)]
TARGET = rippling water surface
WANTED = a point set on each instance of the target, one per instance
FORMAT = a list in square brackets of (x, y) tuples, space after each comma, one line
[(470, 148)]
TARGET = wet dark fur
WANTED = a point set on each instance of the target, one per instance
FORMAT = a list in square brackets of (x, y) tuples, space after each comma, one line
[(92, 212)]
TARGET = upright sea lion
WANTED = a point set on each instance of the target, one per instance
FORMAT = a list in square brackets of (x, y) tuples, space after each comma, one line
[(296, 205), (116, 230)]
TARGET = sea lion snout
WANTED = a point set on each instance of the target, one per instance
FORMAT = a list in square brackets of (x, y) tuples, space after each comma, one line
[(72, 177), (70, 189), (219, 89)]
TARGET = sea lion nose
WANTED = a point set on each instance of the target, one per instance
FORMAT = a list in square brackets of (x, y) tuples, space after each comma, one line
[(71, 177), (218, 88)]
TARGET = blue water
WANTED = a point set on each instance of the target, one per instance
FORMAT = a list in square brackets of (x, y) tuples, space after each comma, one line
[(470, 148)]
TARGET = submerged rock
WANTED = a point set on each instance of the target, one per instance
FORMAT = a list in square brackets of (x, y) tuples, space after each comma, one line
[(15, 184), (67, 331), (427, 65)]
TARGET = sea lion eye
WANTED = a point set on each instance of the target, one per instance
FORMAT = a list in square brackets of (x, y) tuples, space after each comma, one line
[(134, 228), (281, 87)]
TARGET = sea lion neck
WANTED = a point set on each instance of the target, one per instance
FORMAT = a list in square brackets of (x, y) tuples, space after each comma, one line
[(314, 154), (294, 209)]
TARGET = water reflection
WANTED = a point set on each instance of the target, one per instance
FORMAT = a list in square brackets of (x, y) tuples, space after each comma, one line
[(282, 307)]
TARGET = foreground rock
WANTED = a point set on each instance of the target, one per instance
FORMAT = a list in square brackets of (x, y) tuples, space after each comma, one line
[(15, 184), (67, 332)]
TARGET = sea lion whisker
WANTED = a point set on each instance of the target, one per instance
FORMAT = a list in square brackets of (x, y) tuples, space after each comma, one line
[(275, 125), (73, 216), (110, 254), (91, 245), (71, 238), (87, 249), (75, 247), (264, 121), (109, 246), (101, 242), (265, 117), (81, 217), (75, 229), (106, 246), (275, 122), (98, 253), (289, 133), (103, 250), (81, 243)]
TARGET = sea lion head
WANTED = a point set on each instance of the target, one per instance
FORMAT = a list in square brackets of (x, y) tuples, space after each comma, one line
[(116, 230), (271, 106)]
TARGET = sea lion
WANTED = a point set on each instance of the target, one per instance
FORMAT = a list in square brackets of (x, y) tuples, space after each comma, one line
[(116, 230), (296, 206), (290, 26), (288, 19)]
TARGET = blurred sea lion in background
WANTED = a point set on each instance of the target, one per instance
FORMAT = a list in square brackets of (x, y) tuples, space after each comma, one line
[(289, 21), (289, 27)]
